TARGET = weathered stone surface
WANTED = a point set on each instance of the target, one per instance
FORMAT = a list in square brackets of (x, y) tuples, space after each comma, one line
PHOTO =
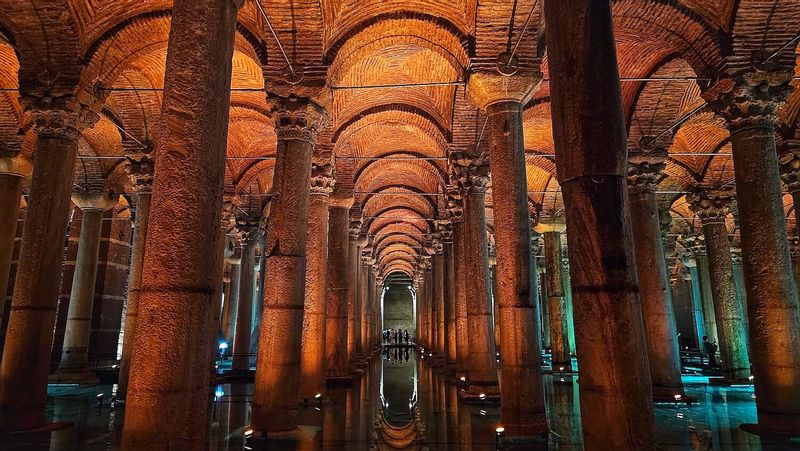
[(644, 173), (590, 143), (168, 390)]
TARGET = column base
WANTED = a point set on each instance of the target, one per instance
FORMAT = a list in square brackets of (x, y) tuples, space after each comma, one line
[(339, 381), (560, 368), (725, 382), (525, 434), (77, 376), (784, 427), (481, 393), (44, 428)]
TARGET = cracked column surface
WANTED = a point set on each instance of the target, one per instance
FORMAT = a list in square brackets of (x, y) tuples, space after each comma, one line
[(712, 208), (297, 122), (644, 173), (557, 303), (169, 380), (336, 288), (74, 366), (26, 356), (522, 407), (141, 167), (312, 353), (591, 147), (748, 101), (472, 172)]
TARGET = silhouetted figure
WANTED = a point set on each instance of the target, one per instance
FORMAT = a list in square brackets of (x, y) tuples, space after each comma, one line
[(406, 337), (711, 350)]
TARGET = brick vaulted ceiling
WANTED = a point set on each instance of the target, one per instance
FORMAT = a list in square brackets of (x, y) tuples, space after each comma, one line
[(388, 136)]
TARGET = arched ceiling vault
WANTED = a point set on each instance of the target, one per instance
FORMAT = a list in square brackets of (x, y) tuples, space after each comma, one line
[(395, 73)]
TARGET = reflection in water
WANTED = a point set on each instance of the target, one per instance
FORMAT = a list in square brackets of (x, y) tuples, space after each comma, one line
[(401, 402)]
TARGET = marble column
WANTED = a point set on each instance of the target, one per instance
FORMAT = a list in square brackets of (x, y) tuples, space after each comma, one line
[(697, 245), (312, 353), (557, 305), (439, 277), (456, 213), (353, 300), (336, 291), (232, 299), (74, 366), (789, 161), (26, 355), (168, 390), (297, 122), (472, 174), (430, 308), (141, 169), (661, 333), (748, 101), (502, 98), (249, 236), (12, 174), (615, 390), (365, 305), (712, 207), (450, 295)]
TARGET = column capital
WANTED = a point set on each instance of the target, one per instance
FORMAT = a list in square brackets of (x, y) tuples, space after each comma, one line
[(98, 200), (470, 172), (322, 180), (750, 98), (696, 244), (247, 230), (646, 170), (58, 117), (455, 209), (12, 163), (789, 163), (664, 220), (445, 228), (141, 168), (711, 206), (341, 202), (297, 119), (488, 89), (355, 226), (736, 254)]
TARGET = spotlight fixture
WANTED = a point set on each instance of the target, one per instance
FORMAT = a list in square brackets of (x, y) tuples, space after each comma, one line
[(247, 433)]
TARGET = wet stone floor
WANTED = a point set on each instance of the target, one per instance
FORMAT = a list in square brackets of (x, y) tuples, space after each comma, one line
[(400, 402)]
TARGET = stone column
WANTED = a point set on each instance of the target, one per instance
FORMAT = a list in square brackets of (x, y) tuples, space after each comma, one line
[(557, 305), (26, 356), (748, 101), (439, 276), (430, 309), (74, 365), (312, 354), (661, 333), (229, 322), (297, 122), (789, 161), (522, 407), (353, 310), (141, 168), (248, 232), (703, 281), (12, 174), (615, 389), (472, 173), (712, 208), (450, 295), (336, 292), (365, 292), (456, 213), (168, 391)]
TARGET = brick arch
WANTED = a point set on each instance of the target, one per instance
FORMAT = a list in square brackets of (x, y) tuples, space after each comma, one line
[(47, 39)]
